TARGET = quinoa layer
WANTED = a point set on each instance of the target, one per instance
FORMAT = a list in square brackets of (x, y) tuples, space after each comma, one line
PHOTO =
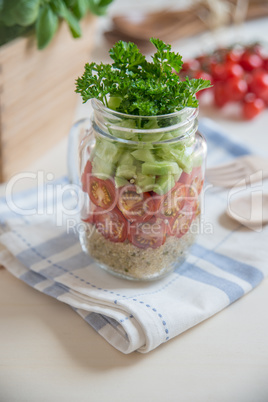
[(129, 261)]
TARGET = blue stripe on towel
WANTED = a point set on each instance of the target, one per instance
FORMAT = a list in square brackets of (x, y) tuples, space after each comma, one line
[(32, 278), (243, 271), (55, 290), (53, 246), (78, 261), (97, 321), (231, 289), (213, 136)]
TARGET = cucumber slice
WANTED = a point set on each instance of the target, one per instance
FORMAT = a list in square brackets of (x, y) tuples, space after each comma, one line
[(126, 171), (107, 151), (167, 136), (145, 182), (180, 156), (163, 184), (144, 155), (102, 169), (120, 182), (160, 168), (128, 124), (126, 158), (185, 162)]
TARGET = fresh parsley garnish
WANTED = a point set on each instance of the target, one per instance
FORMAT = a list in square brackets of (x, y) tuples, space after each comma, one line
[(143, 88)]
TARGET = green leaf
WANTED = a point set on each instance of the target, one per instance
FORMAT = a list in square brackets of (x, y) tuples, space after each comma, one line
[(80, 8), (46, 26), (26, 12), (73, 23), (7, 12), (144, 88), (126, 56), (105, 3), (98, 7)]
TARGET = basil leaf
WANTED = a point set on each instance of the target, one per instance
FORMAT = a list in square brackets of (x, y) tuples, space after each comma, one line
[(73, 23), (98, 7), (104, 3), (26, 11), (80, 8), (46, 26), (7, 12)]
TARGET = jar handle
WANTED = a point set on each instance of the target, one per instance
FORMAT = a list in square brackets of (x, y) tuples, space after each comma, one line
[(78, 132)]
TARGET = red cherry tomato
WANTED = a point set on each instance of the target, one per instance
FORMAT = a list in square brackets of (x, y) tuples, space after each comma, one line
[(148, 234), (217, 71), (236, 88), (112, 224), (85, 178), (250, 60), (173, 201), (190, 65), (233, 55), (259, 84), (102, 192), (193, 181), (265, 63), (181, 224), (233, 70), (139, 207), (220, 94), (252, 106), (203, 74)]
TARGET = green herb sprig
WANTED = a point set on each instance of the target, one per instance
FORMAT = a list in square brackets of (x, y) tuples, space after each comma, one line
[(143, 88)]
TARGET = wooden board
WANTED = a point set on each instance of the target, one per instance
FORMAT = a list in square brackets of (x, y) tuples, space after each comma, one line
[(37, 99)]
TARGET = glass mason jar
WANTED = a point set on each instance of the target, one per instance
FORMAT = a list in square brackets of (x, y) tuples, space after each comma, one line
[(141, 179)]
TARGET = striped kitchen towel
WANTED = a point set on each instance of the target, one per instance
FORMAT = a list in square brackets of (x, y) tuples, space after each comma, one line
[(227, 261)]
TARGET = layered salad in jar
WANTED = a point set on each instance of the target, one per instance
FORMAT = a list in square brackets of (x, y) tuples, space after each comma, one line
[(142, 166)]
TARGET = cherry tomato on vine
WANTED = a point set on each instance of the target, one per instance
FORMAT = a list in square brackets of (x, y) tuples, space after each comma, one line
[(250, 60), (236, 88), (252, 106), (191, 64), (233, 55), (259, 84)]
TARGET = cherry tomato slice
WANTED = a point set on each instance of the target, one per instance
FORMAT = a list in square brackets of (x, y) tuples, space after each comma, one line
[(135, 206), (181, 224), (148, 234), (111, 224), (102, 192), (173, 201), (194, 181), (85, 178)]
